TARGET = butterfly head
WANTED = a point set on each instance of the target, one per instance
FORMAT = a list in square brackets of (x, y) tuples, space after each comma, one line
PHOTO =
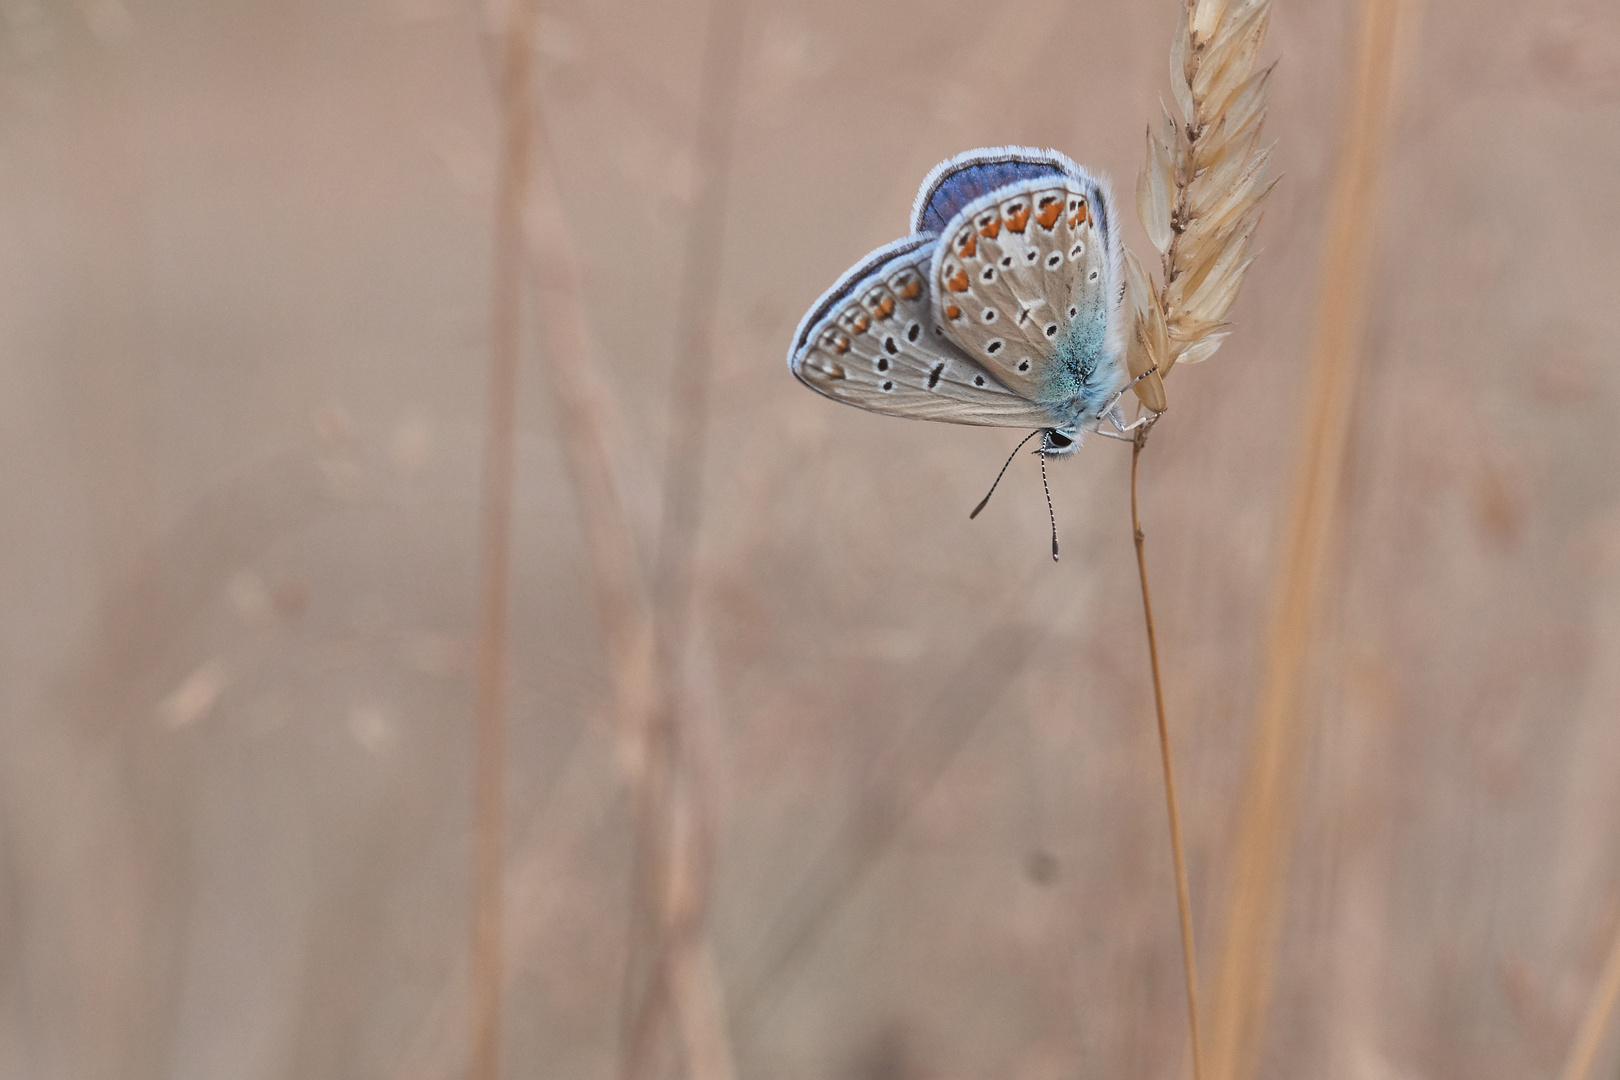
[(1059, 442)]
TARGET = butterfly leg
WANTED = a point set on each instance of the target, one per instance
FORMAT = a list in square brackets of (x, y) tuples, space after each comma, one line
[(1111, 435), (1113, 402), (1117, 419)]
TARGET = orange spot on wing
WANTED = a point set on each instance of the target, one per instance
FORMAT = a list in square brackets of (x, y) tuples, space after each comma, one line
[(952, 311), (910, 288), (841, 344), (1017, 218), (1082, 214), (990, 226), (958, 282), (882, 304), (1051, 209), (968, 246)]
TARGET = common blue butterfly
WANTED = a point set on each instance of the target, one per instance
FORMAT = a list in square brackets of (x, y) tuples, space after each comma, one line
[(1002, 308)]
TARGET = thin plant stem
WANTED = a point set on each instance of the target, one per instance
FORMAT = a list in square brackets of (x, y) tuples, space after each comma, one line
[(1578, 1066), (1183, 897), (673, 869), (506, 339)]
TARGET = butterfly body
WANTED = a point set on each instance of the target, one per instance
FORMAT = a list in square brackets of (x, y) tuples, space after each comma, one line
[(1000, 309)]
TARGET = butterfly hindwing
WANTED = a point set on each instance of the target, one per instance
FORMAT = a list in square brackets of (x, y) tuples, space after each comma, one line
[(1026, 279), (872, 341)]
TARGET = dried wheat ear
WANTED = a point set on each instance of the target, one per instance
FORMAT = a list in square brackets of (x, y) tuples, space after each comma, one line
[(1199, 191)]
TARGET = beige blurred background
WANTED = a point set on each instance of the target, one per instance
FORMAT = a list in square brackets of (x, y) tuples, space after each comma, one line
[(245, 262)]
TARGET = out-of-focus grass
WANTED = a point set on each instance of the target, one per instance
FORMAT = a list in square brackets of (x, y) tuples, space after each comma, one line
[(236, 648)]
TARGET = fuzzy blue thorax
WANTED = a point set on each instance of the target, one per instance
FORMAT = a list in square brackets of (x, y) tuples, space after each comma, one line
[(1077, 381)]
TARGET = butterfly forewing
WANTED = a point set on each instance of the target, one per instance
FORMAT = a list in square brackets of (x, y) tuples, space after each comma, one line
[(872, 341), (968, 176), (1023, 277)]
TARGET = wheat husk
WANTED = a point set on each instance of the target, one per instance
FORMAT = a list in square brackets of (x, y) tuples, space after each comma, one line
[(1199, 191)]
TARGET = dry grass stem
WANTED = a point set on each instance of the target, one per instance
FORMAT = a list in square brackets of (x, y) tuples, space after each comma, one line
[(1266, 814), (1183, 895), (1199, 191), (676, 829), (506, 338), (586, 414), (1599, 1011), (1198, 195)]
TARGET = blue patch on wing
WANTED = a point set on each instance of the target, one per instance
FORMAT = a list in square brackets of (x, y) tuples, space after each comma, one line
[(957, 187)]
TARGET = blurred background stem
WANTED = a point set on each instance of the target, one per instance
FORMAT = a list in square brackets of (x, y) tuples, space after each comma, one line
[(1267, 812), (506, 341), (669, 965)]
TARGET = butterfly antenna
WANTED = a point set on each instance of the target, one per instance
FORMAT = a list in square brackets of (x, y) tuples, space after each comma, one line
[(1049, 512), (984, 501)]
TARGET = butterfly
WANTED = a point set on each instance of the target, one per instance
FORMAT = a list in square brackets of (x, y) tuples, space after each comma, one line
[(1001, 309)]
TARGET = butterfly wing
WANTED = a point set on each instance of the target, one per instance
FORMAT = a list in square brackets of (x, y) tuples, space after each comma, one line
[(957, 181), (1027, 280), (872, 341)]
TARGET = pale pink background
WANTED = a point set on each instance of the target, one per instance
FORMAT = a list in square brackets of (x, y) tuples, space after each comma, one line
[(244, 279)]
